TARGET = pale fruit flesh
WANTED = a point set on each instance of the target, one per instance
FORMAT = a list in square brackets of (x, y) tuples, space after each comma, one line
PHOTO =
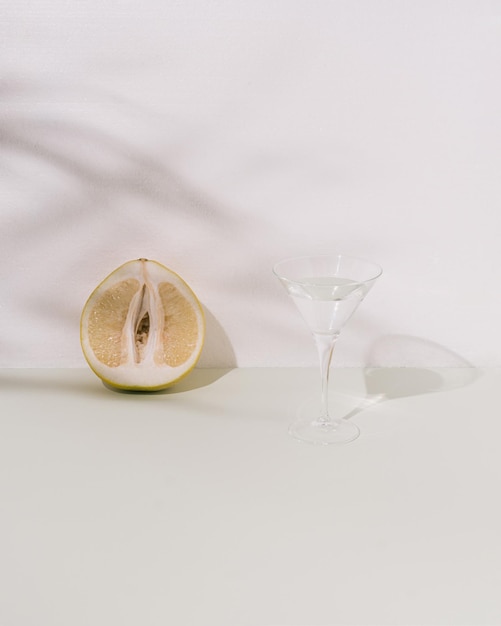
[(142, 327)]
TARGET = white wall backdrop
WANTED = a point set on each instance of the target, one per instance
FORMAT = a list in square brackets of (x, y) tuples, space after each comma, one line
[(217, 136)]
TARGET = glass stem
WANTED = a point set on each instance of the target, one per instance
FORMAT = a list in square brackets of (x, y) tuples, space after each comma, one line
[(325, 347)]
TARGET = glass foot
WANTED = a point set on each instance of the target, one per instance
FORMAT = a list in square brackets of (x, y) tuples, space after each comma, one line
[(317, 432)]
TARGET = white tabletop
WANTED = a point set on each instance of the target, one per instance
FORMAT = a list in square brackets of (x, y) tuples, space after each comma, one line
[(194, 506)]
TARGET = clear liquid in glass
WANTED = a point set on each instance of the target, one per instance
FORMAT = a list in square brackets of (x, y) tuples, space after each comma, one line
[(326, 303)]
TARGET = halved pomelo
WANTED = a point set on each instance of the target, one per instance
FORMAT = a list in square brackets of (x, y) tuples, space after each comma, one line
[(142, 327)]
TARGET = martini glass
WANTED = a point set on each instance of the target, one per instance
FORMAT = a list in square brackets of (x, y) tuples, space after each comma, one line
[(327, 290)]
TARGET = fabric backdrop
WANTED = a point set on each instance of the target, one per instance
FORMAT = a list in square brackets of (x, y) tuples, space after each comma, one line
[(218, 136)]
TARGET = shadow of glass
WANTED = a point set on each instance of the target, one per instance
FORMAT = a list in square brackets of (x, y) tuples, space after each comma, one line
[(447, 370), (402, 382)]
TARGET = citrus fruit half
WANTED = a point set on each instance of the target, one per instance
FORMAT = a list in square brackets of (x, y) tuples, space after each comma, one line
[(142, 327)]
